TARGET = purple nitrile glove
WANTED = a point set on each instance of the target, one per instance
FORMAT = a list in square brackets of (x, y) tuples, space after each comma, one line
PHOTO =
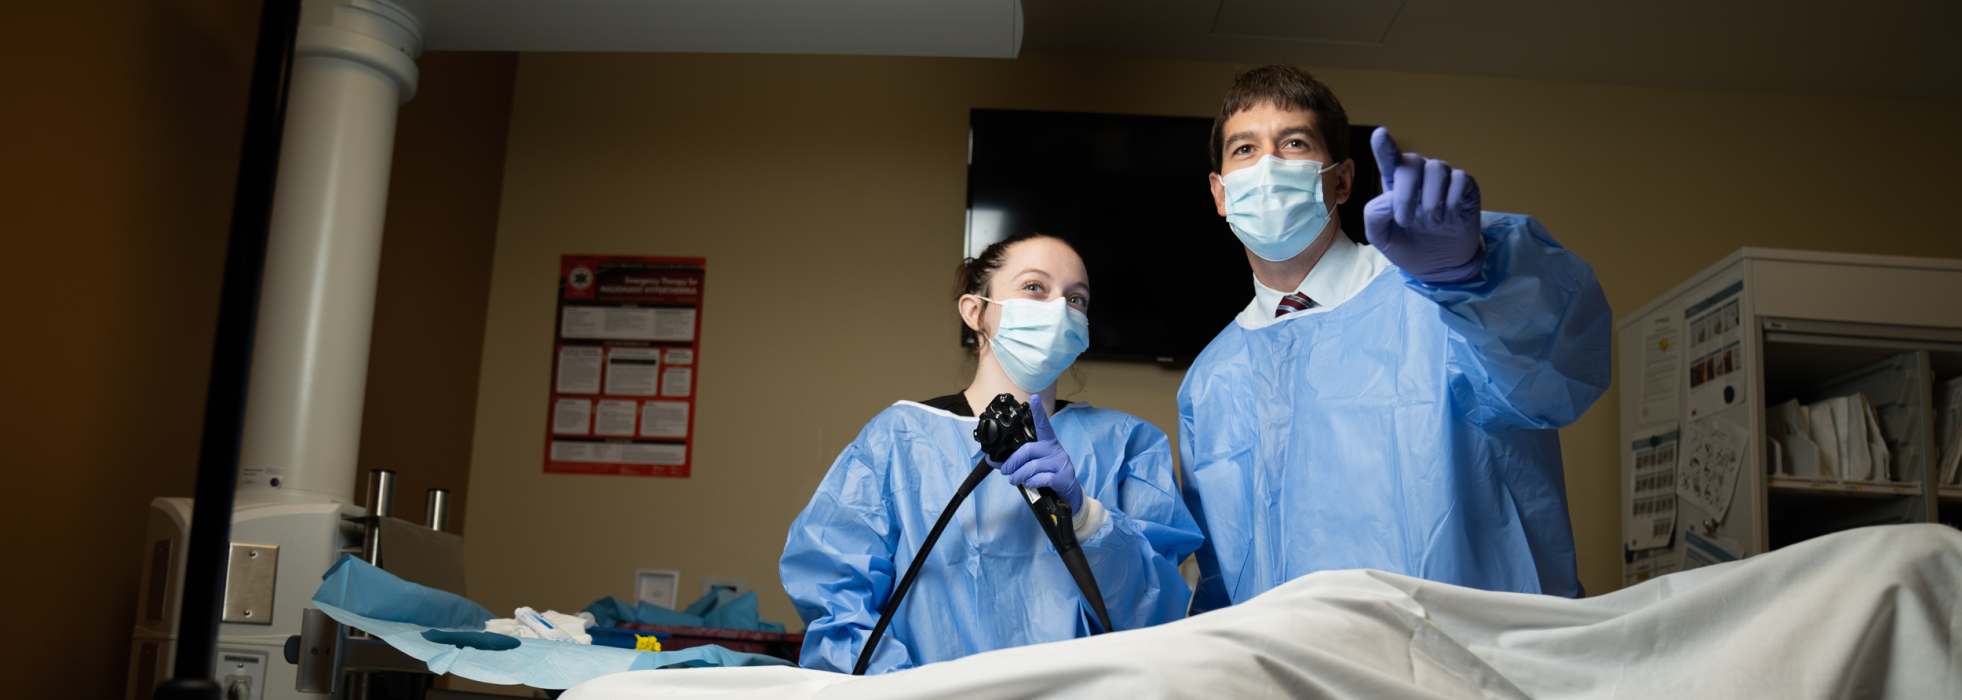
[(1043, 463), (1427, 219)]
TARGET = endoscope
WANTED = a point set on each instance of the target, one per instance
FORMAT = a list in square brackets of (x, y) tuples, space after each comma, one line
[(1006, 425)]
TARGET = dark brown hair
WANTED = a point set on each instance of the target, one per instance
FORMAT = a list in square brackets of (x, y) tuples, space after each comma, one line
[(976, 273), (1290, 88)]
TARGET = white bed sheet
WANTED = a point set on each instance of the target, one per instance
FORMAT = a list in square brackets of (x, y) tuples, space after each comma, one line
[(1869, 613)]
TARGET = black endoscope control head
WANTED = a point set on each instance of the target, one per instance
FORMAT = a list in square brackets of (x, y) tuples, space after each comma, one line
[(1005, 426)]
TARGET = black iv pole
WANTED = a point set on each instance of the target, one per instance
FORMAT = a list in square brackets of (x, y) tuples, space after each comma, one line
[(231, 358)]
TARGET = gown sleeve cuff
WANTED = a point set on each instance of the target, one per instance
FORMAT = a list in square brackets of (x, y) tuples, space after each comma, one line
[(1088, 521)]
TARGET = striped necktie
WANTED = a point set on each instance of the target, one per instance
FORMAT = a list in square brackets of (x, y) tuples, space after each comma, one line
[(1294, 302)]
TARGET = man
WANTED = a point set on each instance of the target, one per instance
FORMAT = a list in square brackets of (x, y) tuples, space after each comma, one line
[(1391, 406)]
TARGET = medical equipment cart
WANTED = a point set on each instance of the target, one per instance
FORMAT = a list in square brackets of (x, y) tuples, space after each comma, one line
[(1712, 373)]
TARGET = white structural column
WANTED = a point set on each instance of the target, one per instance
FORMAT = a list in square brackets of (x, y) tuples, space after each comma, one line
[(353, 67)]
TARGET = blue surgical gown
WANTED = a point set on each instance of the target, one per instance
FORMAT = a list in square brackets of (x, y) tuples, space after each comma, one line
[(993, 581), (1410, 429)]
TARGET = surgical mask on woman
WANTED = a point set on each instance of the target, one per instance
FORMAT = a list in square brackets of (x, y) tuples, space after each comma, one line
[(1037, 340), (1276, 206)]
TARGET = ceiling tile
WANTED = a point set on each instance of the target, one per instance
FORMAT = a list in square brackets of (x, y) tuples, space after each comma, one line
[(1363, 22)]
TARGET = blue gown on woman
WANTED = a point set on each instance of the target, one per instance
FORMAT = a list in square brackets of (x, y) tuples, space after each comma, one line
[(993, 581)]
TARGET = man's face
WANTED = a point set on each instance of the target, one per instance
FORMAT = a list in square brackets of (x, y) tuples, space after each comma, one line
[(1288, 134)]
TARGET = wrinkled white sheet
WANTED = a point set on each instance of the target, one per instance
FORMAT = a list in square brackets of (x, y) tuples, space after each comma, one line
[(1869, 613)]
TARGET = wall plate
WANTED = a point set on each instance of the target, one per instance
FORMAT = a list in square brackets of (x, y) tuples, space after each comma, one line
[(249, 583), (657, 587)]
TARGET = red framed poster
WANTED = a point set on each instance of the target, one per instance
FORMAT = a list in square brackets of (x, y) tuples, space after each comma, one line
[(623, 366)]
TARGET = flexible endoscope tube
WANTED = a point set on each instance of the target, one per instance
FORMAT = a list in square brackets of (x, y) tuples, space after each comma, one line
[(974, 478), (1006, 426), (1056, 523)]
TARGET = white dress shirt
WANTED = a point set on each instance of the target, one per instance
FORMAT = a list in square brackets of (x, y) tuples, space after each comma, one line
[(1342, 272)]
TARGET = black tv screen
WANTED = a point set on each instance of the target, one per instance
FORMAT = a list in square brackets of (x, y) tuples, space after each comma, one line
[(1130, 194)]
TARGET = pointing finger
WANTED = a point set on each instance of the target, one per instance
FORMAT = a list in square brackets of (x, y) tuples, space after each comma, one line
[(1043, 431), (1410, 184)]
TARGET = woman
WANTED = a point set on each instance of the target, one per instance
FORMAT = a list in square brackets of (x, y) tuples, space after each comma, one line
[(993, 580)]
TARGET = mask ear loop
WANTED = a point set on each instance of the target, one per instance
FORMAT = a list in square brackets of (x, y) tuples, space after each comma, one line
[(1332, 209), (982, 337)]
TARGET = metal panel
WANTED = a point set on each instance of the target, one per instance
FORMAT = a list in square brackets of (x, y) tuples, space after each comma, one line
[(1930, 472), (421, 555), (146, 670), (319, 653), (1862, 259), (1856, 342), (1937, 336), (1857, 294), (158, 600), (249, 583)]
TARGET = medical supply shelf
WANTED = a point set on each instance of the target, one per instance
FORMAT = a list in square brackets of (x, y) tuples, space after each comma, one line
[(1870, 489), (1701, 368)]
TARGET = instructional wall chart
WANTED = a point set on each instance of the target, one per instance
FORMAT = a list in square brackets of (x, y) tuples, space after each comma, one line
[(1650, 516), (623, 365)]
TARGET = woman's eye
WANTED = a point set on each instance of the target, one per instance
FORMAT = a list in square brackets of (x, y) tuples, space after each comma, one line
[(1079, 300), (1035, 287), (1242, 150)]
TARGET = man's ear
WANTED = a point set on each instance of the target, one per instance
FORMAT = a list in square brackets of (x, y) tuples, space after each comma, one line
[(1345, 181), (1219, 194)]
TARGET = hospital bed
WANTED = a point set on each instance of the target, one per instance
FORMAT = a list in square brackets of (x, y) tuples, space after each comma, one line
[(1868, 613)]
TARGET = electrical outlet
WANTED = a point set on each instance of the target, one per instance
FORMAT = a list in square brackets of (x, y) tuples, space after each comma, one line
[(737, 586)]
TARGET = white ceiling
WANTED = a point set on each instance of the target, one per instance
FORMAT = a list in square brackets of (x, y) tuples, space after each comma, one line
[(965, 28), (1900, 48)]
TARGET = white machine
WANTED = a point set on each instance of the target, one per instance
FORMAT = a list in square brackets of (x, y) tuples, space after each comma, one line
[(354, 65), (279, 551), (1780, 395)]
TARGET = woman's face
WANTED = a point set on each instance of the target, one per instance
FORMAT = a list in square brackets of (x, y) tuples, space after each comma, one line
[(1039, 269)]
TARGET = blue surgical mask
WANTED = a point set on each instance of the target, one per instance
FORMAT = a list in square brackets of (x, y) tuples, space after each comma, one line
[(1037, 340), (1276, 206)]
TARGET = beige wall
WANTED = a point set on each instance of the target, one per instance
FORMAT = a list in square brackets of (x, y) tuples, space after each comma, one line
[(827, 195), (431, 295), (121, 146)]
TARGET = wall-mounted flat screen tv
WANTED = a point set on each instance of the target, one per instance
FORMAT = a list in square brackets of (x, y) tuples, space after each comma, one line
[(1130, 193)]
